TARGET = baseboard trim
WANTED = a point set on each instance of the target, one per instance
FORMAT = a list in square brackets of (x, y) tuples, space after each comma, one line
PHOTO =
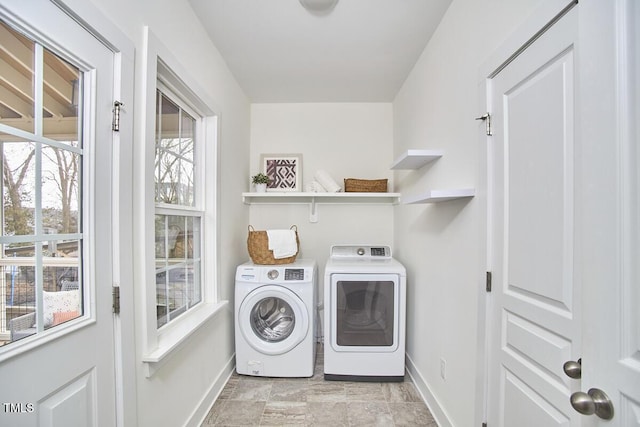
[(429, 399), (202, 410)]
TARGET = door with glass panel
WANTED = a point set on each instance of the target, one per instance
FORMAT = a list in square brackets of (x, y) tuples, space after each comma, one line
[(56, 325)]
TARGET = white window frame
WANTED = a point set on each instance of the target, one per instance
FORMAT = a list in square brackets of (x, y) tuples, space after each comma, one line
[(160, 65), (197, 210)]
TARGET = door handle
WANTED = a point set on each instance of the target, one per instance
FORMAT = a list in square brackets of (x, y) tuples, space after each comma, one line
[(573, 369), (595, 401)]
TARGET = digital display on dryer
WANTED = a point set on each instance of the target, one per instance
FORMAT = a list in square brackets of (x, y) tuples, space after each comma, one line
[(294, 274), (377, 252)]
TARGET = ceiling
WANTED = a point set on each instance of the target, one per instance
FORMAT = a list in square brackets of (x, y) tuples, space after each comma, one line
[(17, 95), (362, 51)]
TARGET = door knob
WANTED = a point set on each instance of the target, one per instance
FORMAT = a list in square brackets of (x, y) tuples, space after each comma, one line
[(573, 369), (595, 401)]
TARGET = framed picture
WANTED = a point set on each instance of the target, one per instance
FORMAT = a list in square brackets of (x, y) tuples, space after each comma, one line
[(284, 171)]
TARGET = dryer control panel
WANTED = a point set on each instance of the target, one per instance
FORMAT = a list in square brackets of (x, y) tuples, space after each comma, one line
[(360, 251)]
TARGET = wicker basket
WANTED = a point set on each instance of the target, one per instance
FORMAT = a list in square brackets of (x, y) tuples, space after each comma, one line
[(258, 246), (353, 185)]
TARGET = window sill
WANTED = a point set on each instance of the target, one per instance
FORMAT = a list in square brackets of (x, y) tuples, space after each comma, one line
[(171, 340)]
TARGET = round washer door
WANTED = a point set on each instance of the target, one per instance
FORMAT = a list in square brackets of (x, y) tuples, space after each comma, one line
[(273, 320)]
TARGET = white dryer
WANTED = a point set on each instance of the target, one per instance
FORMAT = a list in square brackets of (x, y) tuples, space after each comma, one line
[(364, 304), (275, 308)]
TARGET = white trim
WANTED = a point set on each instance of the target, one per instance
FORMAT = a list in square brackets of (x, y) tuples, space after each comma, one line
[(202, 410), (34, 341), (33, 137), (546, 13), (94, 21), (158, 63), (177, 333), (437, 411)]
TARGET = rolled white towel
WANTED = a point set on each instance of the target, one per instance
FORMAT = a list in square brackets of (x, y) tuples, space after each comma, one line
[(327, 182), (315, 187), (282, 243)]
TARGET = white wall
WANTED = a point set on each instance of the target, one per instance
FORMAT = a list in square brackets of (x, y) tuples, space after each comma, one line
[(442, 245), (348, 140), (183, 385)]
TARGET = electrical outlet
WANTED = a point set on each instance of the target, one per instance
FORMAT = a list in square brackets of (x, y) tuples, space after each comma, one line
[(443, 369)]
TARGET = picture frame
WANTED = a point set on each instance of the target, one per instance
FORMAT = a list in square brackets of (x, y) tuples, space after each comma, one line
[(284, 171)]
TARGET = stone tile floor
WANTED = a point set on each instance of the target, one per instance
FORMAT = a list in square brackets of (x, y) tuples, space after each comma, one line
[(259, 401)]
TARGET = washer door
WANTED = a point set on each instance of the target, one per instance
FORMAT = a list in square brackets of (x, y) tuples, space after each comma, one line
[(273, 320)]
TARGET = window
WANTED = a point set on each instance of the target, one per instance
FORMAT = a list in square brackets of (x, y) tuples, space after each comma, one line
[(41, 156), (176, 210), (179, 207)]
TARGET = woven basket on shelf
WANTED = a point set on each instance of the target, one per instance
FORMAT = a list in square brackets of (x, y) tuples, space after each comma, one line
[(353, 185), (258, 246)]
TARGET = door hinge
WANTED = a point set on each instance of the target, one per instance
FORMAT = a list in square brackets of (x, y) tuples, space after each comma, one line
[(115, 125), (487, 122), (488, 281), (116, 299)]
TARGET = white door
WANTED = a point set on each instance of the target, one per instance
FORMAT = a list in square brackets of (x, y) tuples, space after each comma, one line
[(57, 86), (535, 312), (558, 209), (610, 203)]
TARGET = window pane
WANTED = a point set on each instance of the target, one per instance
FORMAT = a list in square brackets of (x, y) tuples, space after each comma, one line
[(18, 188), (178, 285), (61, 295), (174, 154), (60, 200), (187, 147), (20, 300), (41, 236), (62, 85), (16, 68)]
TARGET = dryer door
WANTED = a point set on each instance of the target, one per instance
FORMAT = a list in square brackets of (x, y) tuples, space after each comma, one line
[(273, 319), (366, 312)]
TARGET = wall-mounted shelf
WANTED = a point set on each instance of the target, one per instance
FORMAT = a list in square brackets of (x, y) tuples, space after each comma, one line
[(436, 196), (415, 159), (320, 198)]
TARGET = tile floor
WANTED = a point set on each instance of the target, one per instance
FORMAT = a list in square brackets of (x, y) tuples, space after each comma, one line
[(259, 401)]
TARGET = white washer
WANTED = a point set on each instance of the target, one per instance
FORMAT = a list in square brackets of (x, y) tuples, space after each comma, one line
[(275, 319), (364, 304)]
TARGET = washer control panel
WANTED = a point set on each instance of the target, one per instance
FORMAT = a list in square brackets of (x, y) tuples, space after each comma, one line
[(294, 274), (289, 273)]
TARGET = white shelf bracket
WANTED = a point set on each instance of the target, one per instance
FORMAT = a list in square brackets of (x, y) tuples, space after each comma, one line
[(313, 211)]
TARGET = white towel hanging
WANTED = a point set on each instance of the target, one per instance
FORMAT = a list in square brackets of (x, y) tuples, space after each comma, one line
[(282, 243)]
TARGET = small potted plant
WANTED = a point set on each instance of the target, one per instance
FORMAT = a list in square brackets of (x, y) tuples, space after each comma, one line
[(260, 181)]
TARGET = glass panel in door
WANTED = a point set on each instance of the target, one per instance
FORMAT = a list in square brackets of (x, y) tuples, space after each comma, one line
[(365, 313), (41, 155), (272, 319)]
